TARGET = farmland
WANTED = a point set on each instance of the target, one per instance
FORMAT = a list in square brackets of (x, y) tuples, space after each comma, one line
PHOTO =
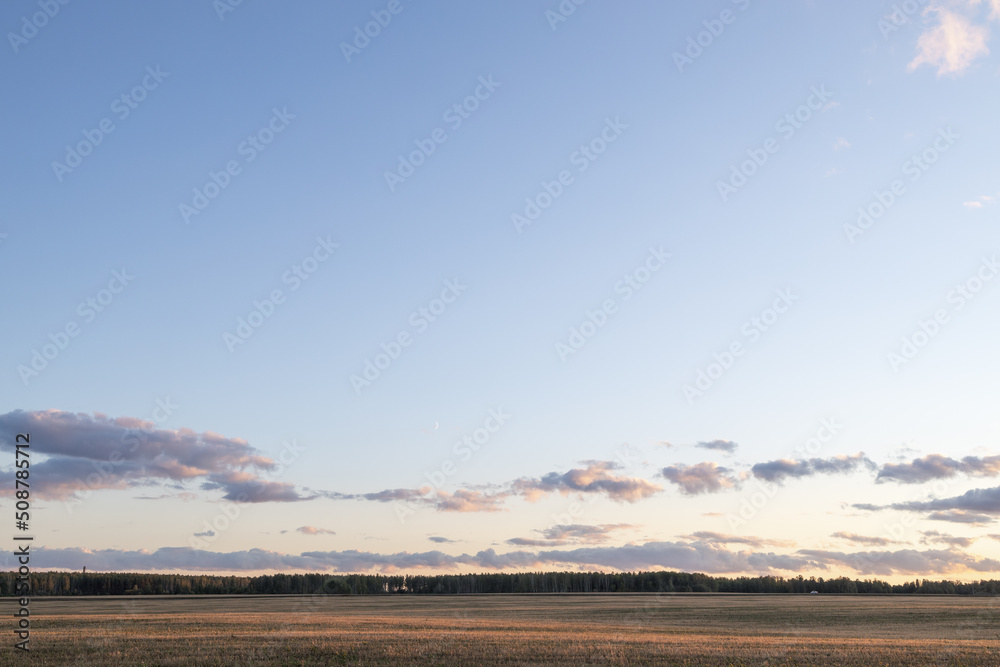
[(615, 629)]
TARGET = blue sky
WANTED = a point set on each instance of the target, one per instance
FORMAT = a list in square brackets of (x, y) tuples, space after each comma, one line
[(642, 128)]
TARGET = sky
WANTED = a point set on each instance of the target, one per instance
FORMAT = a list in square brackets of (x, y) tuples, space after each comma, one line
[(407, 287)]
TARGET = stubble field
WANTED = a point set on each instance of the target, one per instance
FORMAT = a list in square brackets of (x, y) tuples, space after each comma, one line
[(617, 629)]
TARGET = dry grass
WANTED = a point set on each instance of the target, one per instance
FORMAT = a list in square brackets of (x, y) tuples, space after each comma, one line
[(620, 629)]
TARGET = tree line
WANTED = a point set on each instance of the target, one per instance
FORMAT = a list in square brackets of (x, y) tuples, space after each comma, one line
[(133, 583)]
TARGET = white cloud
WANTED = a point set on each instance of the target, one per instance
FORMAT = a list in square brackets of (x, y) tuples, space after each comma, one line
[(954, 43), (979, 202)]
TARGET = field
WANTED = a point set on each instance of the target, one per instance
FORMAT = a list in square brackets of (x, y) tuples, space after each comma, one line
[(617, 629)]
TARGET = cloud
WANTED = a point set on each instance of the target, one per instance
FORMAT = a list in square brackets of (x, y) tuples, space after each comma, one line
[(465, 500), (92, 452), (699, 556), (721, 538), (934, 537), (583, 533), (959, 516), (905, 561), (936, 466), (441, 540), (982, 200), (953, 44), (778, 470), (312, 530), (979, 501), (703, 477), (570, 534), (185, 496), (207, 533), (247, 487), (690, 557), (864, 540), (726, 446), (180, 559), (974, 507), (841, 144), (533, 542), (462, 500), (597, 477), (389, 495)]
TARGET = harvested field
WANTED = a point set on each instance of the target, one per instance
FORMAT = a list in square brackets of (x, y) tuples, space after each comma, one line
[(617, 629)]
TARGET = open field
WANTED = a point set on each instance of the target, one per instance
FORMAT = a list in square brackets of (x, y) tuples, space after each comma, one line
[(615, 629)]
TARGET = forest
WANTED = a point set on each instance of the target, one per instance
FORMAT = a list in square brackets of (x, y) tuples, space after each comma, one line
[(125, 583)]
